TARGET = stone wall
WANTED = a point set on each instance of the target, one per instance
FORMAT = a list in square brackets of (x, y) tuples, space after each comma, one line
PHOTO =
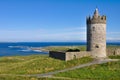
[(68, 55), (113, 51), (96, 39), (57, 55), (76, 55)]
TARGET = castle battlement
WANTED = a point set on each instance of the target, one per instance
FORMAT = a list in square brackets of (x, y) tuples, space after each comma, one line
[(99, 19), (96, 18)]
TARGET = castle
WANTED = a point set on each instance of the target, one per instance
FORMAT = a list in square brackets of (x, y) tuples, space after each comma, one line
[(96, 40), (96, 34)]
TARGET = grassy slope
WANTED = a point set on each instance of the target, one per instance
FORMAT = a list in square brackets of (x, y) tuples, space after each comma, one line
[(40, 64), (110, 70), (35, 64), (63, 48), (13, 77)]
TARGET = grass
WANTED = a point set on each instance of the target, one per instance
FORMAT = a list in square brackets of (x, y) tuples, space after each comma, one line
[(35, 64), (113, 46), (114, 57), (106, 71), (64, 48), (55, 78), (13, 77)]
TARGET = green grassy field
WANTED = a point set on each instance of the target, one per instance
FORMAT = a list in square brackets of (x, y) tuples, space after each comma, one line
[(35, 64), (63, 48), (14, 77), (106, 71)]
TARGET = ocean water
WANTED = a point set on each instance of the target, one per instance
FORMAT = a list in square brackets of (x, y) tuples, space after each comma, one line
[(24, 48)]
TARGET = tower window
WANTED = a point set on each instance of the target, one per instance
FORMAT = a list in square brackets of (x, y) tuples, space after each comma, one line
[(93, 28), (96, 46), (102, 18), (74, 56)]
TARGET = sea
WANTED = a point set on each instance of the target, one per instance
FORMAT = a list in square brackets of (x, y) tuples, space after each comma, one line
[(24, 48)]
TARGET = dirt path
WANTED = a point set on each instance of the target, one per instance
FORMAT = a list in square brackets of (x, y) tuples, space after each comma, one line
[(50, 74)]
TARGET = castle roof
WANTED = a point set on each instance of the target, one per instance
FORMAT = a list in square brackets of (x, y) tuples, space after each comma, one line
[(96, 13)]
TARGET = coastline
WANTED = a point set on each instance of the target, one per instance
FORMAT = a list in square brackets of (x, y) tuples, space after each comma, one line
[(58, 48), (31, 48), (111, 49)]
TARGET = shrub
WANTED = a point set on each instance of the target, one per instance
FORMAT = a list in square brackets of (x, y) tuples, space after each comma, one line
[(73, 50)]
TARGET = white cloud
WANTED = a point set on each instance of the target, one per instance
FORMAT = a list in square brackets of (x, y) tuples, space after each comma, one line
[(60, 34), (113, 33), (113, 36), (76, 28), (113, 39), (66, 34)]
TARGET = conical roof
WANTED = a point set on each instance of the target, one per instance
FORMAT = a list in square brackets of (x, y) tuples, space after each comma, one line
[(96, 13)]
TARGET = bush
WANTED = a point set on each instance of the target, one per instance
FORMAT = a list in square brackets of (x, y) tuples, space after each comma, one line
[(73, 50), (77, 50)]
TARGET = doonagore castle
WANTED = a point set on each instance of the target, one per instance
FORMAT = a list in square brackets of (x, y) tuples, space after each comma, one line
[(96, 40), (96, 35)]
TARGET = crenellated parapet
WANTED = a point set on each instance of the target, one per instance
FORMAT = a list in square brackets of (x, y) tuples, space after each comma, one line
[(96, 20)]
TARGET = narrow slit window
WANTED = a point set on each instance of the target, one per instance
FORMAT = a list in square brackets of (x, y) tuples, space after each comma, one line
[(74, 56), (93, 28), (96, 46)]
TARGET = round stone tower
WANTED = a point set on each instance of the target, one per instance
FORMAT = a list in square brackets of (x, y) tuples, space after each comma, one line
[(96, 35)]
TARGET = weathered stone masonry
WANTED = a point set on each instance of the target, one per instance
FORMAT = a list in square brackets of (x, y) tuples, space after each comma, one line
[(96, 35), (74, 55), (68, 55)]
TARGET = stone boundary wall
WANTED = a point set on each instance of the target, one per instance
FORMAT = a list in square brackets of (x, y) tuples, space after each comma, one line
[(57, 55), (68, 55), (76, 55), (113, 51)]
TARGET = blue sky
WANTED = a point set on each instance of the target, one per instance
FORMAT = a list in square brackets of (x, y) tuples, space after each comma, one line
[(54, 20)]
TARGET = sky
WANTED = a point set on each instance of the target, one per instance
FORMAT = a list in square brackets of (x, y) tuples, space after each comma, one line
[(54, 20)]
